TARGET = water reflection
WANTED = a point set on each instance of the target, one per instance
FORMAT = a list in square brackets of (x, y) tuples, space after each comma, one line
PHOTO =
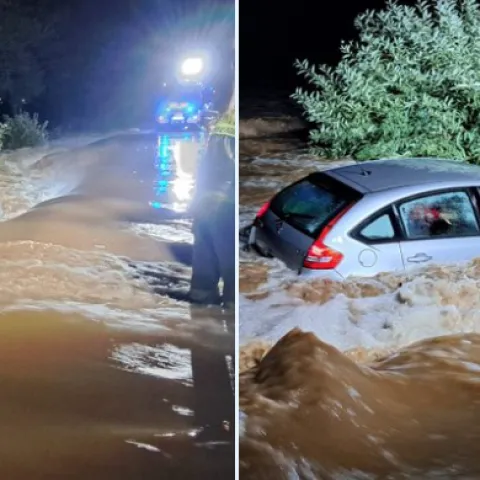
[(81, 398), (176, 157), (164, 361), (106, 403)]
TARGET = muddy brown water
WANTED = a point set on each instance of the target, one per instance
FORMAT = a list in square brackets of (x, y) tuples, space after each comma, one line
[(101, 376), (313, 412)]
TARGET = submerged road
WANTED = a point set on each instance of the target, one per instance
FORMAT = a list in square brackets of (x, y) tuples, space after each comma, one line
[(126, 182), (158, 171)]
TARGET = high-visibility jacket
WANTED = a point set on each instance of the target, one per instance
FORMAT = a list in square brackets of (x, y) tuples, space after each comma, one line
[(226, 125), (216, 173)]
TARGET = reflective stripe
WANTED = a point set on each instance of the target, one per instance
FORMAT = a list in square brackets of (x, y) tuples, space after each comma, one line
[(224, 129), (226, 125)]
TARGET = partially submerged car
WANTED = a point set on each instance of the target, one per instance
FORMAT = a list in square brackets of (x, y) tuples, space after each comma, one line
[(378, 216)]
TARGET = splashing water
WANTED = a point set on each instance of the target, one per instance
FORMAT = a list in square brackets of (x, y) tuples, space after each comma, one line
[(370, 378), (98, 369)]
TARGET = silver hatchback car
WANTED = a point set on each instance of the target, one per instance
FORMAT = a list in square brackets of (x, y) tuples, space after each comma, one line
[(378, 216)]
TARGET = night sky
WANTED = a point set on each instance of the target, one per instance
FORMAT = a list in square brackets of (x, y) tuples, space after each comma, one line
[(107, 59), (274, 34), (111, 54)]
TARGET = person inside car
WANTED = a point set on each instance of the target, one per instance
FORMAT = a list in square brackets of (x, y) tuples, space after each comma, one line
[(425, 221)]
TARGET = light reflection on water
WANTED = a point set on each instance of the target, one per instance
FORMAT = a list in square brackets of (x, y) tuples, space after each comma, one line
[(95, 368), (175, 164), (74, 389), (165, 361)]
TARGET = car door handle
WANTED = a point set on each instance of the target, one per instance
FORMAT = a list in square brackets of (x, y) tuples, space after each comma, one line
[(419, 257)]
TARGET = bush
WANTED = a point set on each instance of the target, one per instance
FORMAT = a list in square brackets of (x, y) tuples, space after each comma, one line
[(410, 86), (22, 130)]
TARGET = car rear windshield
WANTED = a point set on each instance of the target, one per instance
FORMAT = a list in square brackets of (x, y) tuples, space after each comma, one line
[(312, 202)]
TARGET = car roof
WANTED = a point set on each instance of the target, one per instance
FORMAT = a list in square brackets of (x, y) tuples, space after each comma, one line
[(385, 174)]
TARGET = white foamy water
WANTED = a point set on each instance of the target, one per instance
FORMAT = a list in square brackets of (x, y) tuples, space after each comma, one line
[(24, 183), (78, 256)]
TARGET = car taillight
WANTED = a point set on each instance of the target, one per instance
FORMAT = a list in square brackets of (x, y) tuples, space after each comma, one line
[(263, 209), (321, 257)]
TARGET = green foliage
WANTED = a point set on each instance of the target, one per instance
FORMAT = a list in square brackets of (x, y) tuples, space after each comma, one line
[(410, 85), (22, 130)]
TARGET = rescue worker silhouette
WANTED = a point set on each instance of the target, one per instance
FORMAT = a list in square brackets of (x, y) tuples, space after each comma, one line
[(214, 218)]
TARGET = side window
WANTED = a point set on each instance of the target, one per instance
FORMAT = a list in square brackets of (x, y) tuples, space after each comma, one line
[(379, 229), (445, 214)]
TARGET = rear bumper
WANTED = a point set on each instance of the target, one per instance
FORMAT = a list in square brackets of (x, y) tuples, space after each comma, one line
[(186, 119), (256, 243)]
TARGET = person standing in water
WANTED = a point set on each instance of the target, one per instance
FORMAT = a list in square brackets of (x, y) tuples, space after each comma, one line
[(214, 217)]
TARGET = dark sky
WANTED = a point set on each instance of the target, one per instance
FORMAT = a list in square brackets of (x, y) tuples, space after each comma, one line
[(274, 34), (109, 58)]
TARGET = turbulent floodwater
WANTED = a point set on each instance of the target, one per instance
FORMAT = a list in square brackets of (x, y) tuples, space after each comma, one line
[(370, 379), (102, 374)]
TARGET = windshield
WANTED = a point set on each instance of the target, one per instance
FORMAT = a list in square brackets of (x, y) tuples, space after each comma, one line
[(184, 94), (309, 204)]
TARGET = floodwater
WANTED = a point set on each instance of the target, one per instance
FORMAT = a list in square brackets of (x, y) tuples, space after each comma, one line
[(104, 375), (314, 413), (374, 378)]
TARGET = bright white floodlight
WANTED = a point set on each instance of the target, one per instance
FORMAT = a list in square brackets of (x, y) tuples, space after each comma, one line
[(192, 66)]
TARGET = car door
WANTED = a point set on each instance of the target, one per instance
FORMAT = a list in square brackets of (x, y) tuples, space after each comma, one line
[(374, 246), (439, 228)]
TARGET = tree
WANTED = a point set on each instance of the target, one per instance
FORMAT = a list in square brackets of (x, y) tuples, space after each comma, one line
[(23, 36), (410, 85)]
